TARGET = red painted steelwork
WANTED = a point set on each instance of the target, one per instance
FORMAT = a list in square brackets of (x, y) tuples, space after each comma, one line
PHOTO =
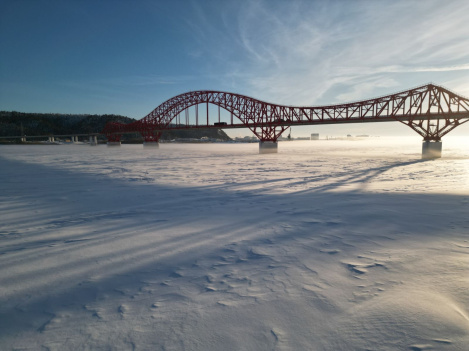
[(430, 110)]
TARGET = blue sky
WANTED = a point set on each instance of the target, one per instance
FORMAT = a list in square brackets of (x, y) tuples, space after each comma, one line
[(127, 57)]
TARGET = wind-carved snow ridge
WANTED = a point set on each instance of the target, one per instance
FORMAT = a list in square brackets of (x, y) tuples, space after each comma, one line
[(327, 245)]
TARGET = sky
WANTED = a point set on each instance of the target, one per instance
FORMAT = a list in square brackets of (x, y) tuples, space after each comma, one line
[(127, 57)]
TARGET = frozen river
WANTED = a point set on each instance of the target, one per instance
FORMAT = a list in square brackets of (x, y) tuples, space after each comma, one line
[(327, 245)]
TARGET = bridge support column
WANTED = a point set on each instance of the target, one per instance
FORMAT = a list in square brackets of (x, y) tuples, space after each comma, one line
[(431, 149), (268, 147), (93, 140), (23, 139), (151, 144), (51, 139)]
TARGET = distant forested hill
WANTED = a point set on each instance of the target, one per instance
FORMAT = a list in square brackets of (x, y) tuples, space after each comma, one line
[(17, 123)]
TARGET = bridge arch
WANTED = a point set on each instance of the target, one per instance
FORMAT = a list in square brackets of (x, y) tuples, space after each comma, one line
[(258, 116)]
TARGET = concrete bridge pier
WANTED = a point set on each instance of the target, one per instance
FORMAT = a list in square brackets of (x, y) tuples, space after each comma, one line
[(431, 149), (93, 140), (51, 139), (151, 144), (268, 147), (23, 139)]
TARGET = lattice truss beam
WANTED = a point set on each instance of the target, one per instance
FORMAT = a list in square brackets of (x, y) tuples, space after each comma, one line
[(430, 110)]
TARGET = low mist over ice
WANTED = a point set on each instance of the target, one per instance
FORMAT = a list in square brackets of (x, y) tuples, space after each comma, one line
[(327, 245)]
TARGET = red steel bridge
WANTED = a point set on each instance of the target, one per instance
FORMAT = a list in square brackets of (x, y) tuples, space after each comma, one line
[(430, 110)]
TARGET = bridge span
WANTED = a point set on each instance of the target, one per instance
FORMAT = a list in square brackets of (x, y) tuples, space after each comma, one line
[(430, 110)]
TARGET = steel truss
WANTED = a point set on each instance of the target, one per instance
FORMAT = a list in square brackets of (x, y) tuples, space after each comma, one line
[(430, 110)]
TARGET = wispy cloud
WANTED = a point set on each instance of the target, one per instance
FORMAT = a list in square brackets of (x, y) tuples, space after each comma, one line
[(301, 52), (464, 67)]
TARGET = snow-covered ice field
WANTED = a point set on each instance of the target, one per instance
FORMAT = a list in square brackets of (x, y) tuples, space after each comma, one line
[(327, 245)]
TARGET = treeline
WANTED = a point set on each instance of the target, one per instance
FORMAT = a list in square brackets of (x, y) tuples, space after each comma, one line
[(18, 123), (14, 123)]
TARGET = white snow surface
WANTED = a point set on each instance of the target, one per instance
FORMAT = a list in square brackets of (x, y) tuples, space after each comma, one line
[(327, 245)]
